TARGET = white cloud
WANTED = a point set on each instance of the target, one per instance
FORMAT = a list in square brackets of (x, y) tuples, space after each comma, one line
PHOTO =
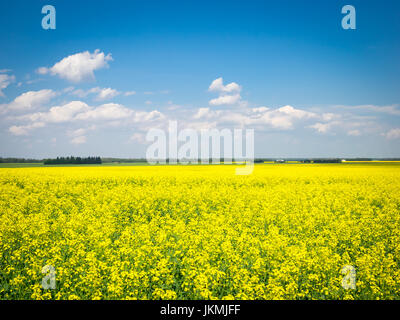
[(346, 125), (107, 93), (206, 113), (76, 111), (5, 80), (228, 95), (143, 116), (296, 113), (30, 100), (102, 93), (24, 130), (78, 67), (109, 111), (393, 134), (218, 86), (321, 127), (59, 114), (262, 117), (281, 118), (225, 100)]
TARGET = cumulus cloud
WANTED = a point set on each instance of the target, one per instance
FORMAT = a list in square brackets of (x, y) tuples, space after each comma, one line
[(296, 113), (218, 86), (280, 118), (29, 100), (5, 80), (107, 93), (262, 117), (109, 111), (78, 67), (228, 94), (59, 114), (80, 112), (225, 100)]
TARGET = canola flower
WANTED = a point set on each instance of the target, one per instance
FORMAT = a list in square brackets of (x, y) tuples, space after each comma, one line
[(200, 232)]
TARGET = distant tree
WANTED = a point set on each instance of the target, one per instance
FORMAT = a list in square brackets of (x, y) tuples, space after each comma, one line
[(19, 160), (73, 160), (327, 161)]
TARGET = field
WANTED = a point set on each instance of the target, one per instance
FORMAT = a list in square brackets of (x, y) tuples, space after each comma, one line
[(107, 164), (200, 232)]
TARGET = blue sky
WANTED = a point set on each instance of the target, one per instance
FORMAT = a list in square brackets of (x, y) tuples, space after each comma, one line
[(112, 70)]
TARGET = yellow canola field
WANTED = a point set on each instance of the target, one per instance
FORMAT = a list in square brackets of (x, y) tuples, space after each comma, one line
[(200, 232)]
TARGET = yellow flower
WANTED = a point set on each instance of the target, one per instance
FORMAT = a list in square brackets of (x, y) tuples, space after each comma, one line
[(200, 232)]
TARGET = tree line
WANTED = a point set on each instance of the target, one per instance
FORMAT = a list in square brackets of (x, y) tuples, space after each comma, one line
[(19, 160), (73, 160)]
